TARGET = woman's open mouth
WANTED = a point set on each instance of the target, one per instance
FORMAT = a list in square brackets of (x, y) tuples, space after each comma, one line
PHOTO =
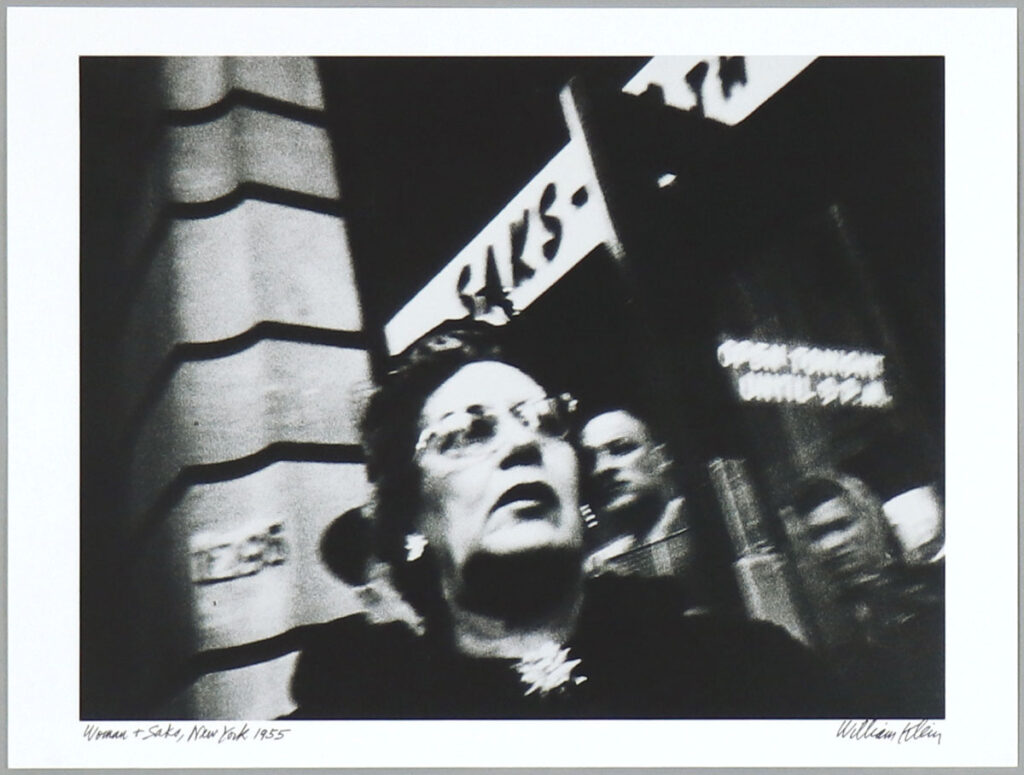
[(529, 499)]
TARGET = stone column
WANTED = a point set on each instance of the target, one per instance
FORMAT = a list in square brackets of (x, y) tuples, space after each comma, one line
[(243, 364)]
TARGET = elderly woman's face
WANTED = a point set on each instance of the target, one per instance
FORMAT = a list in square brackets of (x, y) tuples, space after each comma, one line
[(497, 475)]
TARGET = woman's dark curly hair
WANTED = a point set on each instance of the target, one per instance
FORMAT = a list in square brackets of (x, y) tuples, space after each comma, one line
[(390, 428)]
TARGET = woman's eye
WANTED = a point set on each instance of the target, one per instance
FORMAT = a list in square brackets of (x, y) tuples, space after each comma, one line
[(447, 441), (479, 429), (550, 423)]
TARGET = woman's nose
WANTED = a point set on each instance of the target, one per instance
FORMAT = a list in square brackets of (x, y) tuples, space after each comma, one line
[(520, 445)]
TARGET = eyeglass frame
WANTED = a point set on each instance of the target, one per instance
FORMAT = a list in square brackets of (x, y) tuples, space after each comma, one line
[(565, 400)]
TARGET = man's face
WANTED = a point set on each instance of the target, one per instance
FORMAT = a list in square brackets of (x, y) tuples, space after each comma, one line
[(845, 542), (627, 465)]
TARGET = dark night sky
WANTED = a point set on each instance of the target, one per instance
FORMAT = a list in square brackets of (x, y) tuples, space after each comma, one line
[(430, 149)]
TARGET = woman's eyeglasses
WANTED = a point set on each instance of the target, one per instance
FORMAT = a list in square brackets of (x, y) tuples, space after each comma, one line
[(473, 432)]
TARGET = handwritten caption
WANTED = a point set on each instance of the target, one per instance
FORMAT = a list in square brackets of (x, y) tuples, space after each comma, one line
[(890, 732), (187, 733)]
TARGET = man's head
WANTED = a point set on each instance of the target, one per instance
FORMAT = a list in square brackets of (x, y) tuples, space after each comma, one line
[(629, 469), (844, 530)]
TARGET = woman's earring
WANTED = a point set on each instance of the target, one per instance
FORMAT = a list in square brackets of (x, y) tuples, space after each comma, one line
[(415, 543), (589, 517)]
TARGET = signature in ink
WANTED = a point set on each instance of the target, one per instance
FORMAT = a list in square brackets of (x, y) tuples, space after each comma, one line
[(873, 729)]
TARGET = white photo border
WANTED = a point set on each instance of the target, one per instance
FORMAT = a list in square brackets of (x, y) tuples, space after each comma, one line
[(979, 47)]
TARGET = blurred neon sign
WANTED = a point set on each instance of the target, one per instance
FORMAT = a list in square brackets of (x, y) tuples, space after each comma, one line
[(778, 373)]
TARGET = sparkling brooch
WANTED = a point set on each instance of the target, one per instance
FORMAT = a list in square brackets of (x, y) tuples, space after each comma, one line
[(547, 669)]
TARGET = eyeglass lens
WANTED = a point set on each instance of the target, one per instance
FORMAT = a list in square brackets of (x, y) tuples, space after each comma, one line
[(471, 431)]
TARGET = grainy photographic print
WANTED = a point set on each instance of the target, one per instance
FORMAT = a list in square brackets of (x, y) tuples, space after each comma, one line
[(512, 388)]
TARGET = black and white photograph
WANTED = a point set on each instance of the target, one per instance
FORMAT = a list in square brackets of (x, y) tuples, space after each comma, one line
[(602, 388), (554, 387)]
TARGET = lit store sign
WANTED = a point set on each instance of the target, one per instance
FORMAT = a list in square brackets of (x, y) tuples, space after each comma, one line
[(775, 373), (723, 88), (549, 226)]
